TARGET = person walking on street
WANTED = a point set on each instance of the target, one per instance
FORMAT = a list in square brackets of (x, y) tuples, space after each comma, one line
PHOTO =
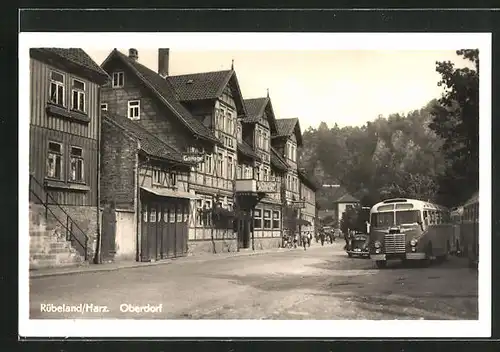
[(322, 237)]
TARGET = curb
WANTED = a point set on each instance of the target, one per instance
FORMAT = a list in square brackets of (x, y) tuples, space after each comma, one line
[(102, 267)]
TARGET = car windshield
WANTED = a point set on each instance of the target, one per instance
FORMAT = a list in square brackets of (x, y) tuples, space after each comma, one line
[(407, 217), (382, 219)]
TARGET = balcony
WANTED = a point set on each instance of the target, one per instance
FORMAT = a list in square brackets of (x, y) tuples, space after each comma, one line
[(255, 186)]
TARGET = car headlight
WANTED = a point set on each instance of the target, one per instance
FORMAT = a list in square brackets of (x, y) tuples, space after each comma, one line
[(413, 242), (377, 244)]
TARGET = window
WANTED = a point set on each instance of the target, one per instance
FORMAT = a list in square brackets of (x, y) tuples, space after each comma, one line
[(186, 214), (157, 176), (208, 164), (239, 172), (118, 78), (230, 173), (266, 175), (257, 218), (199, 208), (57, 88), (104, 107), (220, 163), (267, 219), (257, 173), (152, 215), (207, 219), (276, 219), (144, 213), (294, 155), (54, 160), (76, 163), (239, 135), (179, 213), (172, 179), (134, 109), (171, 217), (78, 95)]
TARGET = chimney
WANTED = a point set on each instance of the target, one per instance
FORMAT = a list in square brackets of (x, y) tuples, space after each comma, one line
[(163, 58), (133, 54)]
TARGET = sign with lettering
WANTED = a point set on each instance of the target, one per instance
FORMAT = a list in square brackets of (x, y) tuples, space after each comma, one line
[(267, 186), (298, 204), (194, 158)]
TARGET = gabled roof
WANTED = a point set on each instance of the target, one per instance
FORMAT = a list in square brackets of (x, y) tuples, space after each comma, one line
[(277, 160), (74, 57), (255, 111), (346, 198), (285, 128), (207, 86), (165, 92), (150, 144), (245, 149), (307, 180)]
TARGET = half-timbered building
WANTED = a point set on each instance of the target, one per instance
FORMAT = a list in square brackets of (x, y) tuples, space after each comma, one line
[(64, 154), (286, 141), (259, 124), (144, 194), (150, 100), (308, 188)]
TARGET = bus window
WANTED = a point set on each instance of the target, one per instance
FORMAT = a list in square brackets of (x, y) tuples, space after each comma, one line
[(407, 217), (432, 218), (382, 219), (439, 217), (426, 217)]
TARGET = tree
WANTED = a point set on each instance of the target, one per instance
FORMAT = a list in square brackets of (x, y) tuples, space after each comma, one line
[(456, 121)]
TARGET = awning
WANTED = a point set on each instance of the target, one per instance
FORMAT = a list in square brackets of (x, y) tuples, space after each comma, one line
[(165, 192)]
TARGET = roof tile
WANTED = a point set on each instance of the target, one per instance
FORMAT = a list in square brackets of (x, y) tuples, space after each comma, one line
[(165, 89), (76, 56), (150, 144), (199, 86)]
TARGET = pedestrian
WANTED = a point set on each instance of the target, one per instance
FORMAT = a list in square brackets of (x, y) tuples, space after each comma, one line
[(304, 238), (310, 237), (322, 237)]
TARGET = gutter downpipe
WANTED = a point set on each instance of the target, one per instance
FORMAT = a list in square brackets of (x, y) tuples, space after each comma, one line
[(97, 254)]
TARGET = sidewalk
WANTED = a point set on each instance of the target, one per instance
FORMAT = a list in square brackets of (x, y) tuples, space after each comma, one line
[(90, 268)]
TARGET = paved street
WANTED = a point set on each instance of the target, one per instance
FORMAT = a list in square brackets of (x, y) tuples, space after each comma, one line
[(320, 283)]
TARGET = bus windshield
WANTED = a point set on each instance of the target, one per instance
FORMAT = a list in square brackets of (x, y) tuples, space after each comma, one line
[(382, 219), (407, 217)]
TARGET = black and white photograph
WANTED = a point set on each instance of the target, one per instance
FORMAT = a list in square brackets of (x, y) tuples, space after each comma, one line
[(244, 184)]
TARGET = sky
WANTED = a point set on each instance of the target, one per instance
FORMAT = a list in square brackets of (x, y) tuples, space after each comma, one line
[(347, 87)]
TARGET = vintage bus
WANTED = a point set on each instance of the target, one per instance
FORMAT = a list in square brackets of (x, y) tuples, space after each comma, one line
[(409, 229), (470, 229), (457, 241)]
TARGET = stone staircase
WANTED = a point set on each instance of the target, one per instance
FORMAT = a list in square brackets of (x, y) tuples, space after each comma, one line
[(48, 245)]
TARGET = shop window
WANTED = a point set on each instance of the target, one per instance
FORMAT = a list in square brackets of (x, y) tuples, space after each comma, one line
[(257, 218), (276, 219), (267, 219)]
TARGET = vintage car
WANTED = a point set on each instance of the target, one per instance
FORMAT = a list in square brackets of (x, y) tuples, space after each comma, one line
[(358, 245)]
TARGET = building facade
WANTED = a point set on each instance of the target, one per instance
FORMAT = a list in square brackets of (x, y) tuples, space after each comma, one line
[(145, 194), (308, 214), (64, 154), (258, 126)]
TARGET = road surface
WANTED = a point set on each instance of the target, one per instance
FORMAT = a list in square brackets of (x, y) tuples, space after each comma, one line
[(320, 283)]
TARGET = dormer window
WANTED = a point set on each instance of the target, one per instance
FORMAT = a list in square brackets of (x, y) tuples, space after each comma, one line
[(118, 79)]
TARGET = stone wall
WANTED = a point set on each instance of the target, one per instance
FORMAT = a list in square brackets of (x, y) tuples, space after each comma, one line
[(267, 243), (200, 247)]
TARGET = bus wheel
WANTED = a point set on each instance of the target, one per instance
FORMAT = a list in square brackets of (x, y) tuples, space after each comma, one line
[(381, 264), (428, 255)]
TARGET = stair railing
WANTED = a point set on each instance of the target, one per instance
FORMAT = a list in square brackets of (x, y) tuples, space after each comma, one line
[(70, 223)]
